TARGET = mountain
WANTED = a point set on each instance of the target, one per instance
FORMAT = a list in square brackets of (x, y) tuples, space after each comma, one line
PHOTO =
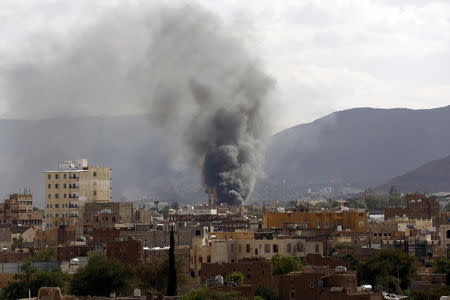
[(356, 148), (431, 177), (350, 149)]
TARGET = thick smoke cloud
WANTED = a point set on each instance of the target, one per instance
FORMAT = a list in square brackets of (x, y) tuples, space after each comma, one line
[(194, 74)]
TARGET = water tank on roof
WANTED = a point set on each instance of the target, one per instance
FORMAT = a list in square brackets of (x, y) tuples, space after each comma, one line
[(219, 279), (341, 269)]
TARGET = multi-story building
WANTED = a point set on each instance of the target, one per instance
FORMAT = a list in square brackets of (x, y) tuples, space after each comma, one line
[(70, 187), (418, 206), (237, 246), (354, 220), (106, 215), (18, 210)]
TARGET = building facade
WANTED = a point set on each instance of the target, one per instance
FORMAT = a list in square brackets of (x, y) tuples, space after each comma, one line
[(354, 220), (70, 187), (18, 210), (418, 206)]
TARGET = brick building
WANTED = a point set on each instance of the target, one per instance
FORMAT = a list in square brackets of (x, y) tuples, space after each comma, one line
[(354, 220), (18, 210), (418, 206), (256, 272), (321, 283), (130, 251)]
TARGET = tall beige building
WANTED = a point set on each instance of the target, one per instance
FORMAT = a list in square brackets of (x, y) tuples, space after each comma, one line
[(70, 187)]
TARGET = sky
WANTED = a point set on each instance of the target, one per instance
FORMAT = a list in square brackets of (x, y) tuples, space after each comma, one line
[(323, 55)]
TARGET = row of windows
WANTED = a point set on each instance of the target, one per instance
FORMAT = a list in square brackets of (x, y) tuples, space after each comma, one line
[(49, 196), (63, 205), (71, 186), (49, 176), (68, 215)]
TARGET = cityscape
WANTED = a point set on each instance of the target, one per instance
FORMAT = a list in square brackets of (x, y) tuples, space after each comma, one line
[(162, 150)]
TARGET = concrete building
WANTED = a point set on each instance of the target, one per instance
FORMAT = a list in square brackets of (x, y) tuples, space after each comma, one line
[(354, 220), (106, 215), (259, 246), (70, 187), (18, 210)]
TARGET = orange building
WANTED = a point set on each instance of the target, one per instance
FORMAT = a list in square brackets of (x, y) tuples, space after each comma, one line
[(354, 220)]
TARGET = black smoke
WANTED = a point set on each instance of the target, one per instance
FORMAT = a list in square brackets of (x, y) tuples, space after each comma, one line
[(197, 76)]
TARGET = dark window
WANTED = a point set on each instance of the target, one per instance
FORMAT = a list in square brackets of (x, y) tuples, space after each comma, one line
[(49, 196), (56, 196), (49, 176), (49, 186), (65, 176), (275, 248), (95, 173), (65, 185), (448, 234), (247, 248), (56, 186), (56, 176)]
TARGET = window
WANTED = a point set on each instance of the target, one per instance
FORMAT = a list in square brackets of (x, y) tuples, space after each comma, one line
[(448, 234), (49, 196), (49, 176), (65, 185), (95, 173), (56, 186), (208, 259), (49, 186), (56, 176), (289, 248), (275, 248), (56, 205), (317, 248), (267, 248), (56, 196), (200, 259), (56, 215), (247, 248), (64, 176), (95, 193), (65, 195)]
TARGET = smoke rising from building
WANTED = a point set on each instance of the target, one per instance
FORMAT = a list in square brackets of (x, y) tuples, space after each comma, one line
[(193, 73)]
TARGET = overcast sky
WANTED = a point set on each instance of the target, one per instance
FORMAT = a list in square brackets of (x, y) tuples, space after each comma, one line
[(324, 55)]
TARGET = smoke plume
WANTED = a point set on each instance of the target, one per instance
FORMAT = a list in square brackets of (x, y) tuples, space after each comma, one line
[(195, 75)]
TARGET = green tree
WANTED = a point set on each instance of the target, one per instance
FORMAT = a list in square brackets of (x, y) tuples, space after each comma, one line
[(265, 293), (44, 255), (235, 278), (285, 264), (390, 268), (152, 277), (442, 266), (353, 260), (17, 244), (103, 276), (172, 274), (434, 293), (32, 279), (211, 294)]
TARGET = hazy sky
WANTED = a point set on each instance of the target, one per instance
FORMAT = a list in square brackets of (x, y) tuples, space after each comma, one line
[(324, 55)]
